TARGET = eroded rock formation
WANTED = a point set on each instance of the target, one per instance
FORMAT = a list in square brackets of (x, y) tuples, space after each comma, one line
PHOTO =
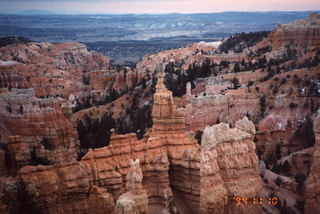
[(45, 126), (203, 179), (302, 35), (136, 199), (229, 168), (313, 182)]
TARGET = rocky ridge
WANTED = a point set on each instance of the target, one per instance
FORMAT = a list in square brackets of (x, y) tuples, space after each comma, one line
[(167, 157)]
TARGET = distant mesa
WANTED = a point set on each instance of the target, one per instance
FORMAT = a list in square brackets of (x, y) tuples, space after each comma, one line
[(36, 12)]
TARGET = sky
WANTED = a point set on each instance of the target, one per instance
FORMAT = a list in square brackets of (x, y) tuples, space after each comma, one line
[(156, 6)]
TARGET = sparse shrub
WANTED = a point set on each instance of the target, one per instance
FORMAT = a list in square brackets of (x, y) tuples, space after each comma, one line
[(262, 104), (250, 83), (277, 168), (198, 136), (271, 86), (278, 181), (46, 143), (275, 90), (292, 105), (278, 151), (271, 158), (286, 168)]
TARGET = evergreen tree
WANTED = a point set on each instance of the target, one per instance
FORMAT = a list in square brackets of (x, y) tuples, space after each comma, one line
[(262, 104), (278, 151), (236, 67), (198, 136), (286, 168), (21, 109), (235, 82)]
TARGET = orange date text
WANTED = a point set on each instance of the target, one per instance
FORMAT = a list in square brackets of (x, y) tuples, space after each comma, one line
[(240, 200)]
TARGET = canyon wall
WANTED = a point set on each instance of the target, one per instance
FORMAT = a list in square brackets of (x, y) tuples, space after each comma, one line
[(44, 126), (57, 69), (313, 182), (302, 35), (205, 179), (229, 168)]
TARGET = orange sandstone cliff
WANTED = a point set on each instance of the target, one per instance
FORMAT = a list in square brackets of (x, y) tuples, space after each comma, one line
[(173, 173)]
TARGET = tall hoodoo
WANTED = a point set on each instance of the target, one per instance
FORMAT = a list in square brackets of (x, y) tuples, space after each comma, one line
[(135, 201)]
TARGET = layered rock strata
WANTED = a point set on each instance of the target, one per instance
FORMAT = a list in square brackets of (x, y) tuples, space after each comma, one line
[(313, 181), (136, 199), (204, 179), (50, 69), (229, 168), (302, 35), (19, 153), (45, 126), (118, 80)]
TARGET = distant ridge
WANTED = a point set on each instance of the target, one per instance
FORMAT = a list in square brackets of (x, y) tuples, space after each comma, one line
[(36, 12), (4, 41)]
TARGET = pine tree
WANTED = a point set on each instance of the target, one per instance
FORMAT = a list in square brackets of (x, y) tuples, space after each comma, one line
[(286, 168), (21, 109), (278, 151), (262, 104)]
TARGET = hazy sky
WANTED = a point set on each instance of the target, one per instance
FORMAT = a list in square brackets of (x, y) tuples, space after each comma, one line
[(157, 6)]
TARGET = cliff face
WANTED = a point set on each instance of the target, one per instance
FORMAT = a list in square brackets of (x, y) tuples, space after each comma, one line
[(45, 126), (312, 184), (51, 69), (302, 35), (106, 179), (229, 168), (119, 80)]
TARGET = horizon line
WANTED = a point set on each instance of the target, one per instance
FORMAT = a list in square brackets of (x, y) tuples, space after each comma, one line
[(83, 13)]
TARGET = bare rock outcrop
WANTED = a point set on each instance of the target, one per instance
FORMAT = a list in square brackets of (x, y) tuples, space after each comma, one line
[(100, 201), (134, 201), (19, 153), (229, 168), (313, 182), (61, 188), (173, 166), (57, 69), (302, 35), (114, 79), (43, 124)]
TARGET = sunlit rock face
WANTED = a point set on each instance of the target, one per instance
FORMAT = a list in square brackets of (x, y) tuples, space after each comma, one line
[(169, 165), (229, 168), (302, 35), (136, 199), (50, 69)]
